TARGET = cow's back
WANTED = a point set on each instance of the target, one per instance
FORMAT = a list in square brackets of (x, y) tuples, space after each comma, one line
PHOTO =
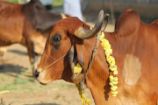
[(148, 52), (135, 49), (11, 23)]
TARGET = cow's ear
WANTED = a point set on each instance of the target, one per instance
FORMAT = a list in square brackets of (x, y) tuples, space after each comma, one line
[(128, 23)]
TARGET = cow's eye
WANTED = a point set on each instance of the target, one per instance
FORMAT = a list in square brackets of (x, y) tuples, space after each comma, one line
[(56, 40)]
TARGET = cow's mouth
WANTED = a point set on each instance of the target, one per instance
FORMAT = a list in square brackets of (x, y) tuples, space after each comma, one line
[(42, 83), (39, 76)]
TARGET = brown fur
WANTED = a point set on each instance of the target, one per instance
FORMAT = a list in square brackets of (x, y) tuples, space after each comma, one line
[(132, 37), (26, 24)]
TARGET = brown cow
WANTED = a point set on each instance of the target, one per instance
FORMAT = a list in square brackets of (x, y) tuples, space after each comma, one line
[(26, 24), (134, 45), (155, 22)]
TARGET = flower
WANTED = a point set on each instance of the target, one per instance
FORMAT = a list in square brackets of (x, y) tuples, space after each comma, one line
[(77, 69), (112, 64)]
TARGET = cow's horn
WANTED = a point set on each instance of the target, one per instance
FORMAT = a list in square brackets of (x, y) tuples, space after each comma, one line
[(83, 33)]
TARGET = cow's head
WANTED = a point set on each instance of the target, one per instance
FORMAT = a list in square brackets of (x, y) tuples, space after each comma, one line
[(39, 16), (62, 48)]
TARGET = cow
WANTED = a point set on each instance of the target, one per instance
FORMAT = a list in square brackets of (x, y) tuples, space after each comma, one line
[(134, 44), (27, 24), (155, 22)]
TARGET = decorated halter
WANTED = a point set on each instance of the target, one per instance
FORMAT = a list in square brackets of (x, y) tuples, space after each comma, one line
[(112, 68)]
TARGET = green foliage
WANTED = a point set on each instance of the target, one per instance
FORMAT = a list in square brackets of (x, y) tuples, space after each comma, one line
[(14, 1), (58, 3)]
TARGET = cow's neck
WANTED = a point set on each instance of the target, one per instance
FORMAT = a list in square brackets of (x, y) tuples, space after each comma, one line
[(97, 78)]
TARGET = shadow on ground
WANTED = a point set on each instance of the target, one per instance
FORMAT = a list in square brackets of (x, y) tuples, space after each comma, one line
[(24, 53), (19, 52), (10, 69)]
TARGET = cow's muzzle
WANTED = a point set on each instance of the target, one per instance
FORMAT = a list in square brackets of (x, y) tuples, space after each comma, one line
[(39, 76), (36, 73)]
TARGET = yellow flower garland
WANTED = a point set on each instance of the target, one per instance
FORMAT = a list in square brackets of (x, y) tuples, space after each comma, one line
[(85, 101), (77, 69), (112, 64)]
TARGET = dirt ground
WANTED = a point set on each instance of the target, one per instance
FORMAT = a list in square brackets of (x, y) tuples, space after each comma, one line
[(16, 88)]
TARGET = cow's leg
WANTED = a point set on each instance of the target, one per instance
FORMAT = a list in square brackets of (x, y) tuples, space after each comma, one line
[(2, 51), (30, 49)]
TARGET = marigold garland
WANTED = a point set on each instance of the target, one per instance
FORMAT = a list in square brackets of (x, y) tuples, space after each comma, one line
[(77, 69), (112, 64), (85, 101)]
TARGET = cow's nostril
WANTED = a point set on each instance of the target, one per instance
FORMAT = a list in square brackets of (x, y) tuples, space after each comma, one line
[(36, 74)]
